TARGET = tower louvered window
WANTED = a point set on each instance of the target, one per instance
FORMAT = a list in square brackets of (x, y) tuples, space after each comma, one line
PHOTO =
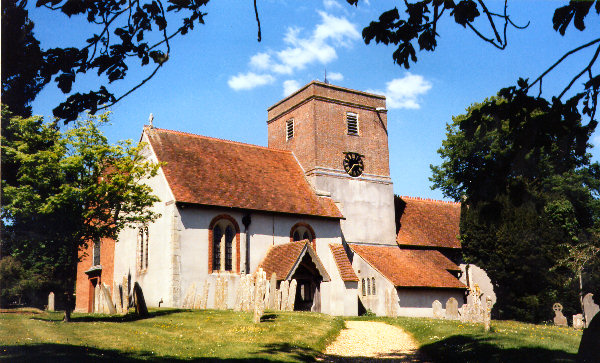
[(352, 121), (289, 129), (96, 253)]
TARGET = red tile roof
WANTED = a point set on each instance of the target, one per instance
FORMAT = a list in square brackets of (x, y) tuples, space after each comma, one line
[(214, 172), (343, 263), (429, 223), (282, 259), (410, 268)]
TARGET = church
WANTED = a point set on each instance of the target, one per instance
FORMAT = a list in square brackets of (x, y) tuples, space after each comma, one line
[(317, 205)]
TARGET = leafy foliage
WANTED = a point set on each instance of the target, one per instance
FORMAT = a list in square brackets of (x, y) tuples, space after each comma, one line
[(420, 25), (75, 189), (530, 194), (127, 30)]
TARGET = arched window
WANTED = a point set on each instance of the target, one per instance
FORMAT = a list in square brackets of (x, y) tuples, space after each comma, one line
[(224, 252), (373, 286), (368, 286), (364, 291), (302, 231)]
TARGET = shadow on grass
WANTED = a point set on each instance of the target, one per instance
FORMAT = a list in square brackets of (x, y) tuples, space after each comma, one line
[(268, 318), (112, 318), (51, 353), (460, 348)]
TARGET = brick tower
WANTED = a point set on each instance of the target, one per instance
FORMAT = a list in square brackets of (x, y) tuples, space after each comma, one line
[(339, 137)]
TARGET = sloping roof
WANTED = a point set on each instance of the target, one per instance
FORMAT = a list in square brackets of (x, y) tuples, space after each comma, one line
[(429, 223), (409, 268), (208, 171), (343, 263), (284, 259)]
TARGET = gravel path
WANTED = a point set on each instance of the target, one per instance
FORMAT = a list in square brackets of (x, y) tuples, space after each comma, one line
[(369, 341)]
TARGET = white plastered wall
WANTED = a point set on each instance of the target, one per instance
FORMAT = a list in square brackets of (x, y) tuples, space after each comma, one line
[(157, 280), (418, 302), (373, 302)]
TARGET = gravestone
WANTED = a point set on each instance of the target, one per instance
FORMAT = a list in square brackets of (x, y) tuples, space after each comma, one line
[(452, 309), (188, 299), (97, 299), (487, 317), (273, 292), (224, 293), (108, 307), (140, 303), (292, 296), (578, 321), (204, 300), (559, 318), (51, 301), (218, 292), (285, 286), (278, 300), (125, 295), (438, 313), (239, 294), (590, 309), (588, 347)]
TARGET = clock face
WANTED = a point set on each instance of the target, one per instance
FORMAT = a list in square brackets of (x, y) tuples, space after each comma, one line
[(353, 164)]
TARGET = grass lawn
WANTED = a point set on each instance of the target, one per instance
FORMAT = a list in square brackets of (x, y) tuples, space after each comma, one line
[(508, 341), (168, 334)]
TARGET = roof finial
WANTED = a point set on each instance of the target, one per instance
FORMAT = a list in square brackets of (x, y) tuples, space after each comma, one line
[(326, 82), (150, 119)]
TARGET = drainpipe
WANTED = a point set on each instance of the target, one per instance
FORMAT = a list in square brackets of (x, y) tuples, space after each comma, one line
[(246, 220)]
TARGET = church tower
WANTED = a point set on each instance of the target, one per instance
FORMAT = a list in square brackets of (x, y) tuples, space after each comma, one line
[(339, 137)]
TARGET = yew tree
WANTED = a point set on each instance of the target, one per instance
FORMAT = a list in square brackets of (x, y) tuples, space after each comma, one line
[(72, 188), (530, 195)]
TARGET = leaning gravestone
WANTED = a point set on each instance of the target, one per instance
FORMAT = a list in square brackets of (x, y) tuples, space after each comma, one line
[(125, 295), (108, 304), (51, 301), (578, 321), (590, 309), (140, 302), (438, 313), (588, 347), (452, 309), (273, 292), (559, 318)]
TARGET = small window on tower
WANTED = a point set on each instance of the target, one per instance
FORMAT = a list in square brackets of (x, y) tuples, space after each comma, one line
[(96, 253), (352, 120), (289, 129)]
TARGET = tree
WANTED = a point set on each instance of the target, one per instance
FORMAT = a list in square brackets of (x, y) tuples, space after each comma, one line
[(75, 190), (520, 166), (127, 30), (423, 17)]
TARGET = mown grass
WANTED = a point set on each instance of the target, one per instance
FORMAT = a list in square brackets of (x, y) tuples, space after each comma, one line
[(507, 341), (168, 334)]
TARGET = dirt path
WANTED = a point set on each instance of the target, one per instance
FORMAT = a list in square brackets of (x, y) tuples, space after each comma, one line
[(369, 341)]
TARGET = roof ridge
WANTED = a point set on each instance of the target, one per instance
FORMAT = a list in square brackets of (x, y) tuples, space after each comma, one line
[(429, 200), (220, 139)]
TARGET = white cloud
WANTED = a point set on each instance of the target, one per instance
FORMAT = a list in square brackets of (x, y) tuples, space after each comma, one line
[(404, 92), (249, 80), (316, 47), (332, 4), (334, 76), (596, 140), (290, 86)]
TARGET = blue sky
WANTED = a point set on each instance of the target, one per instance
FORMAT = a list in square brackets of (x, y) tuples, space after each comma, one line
[(219, 81)]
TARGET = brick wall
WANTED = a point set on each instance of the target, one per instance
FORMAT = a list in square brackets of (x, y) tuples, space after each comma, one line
[(320, 135), (83, 286)]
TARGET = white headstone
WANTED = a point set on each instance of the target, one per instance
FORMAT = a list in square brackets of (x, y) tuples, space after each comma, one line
[(51, 301), (291, 296), (438, 312), (578, 321), (590, 309), (452, 309)]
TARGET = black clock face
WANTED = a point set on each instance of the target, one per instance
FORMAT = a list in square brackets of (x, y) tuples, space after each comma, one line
[(353, 164)]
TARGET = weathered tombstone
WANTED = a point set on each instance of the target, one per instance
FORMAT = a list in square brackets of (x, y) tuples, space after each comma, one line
[(578, 321), (108, 308), (267, 294), (590, 309), (140, 302), (285, 287), (273, 292), (239, 293), (393, 303), (487, 317), (438, 313), (559, 318), (588, 347), (259, 294), (218, 292), (97, 299), (204, 301), (452, 309), (224, 293), (51, 301), (187, 300), (291, 296), (116, 297), (278, 300), (125, 295)]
